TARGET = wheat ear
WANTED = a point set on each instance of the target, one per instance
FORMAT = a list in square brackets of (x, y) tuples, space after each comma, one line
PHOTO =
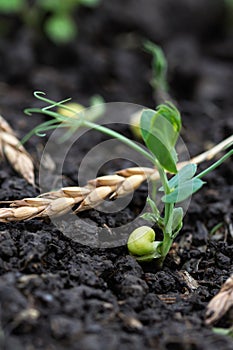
[(123, 182), (56, 203), (15, 153)]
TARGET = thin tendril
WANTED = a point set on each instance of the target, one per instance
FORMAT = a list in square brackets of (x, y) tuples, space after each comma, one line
[(39, 94), (60, 103), (58, 117), (38, 130)]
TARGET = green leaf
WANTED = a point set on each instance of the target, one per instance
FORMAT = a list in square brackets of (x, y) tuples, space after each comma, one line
[(184, 191), (223, 331), (149, 217), (175, 221), (160, 130), (152, 205), (61, 29), (186, 173), (178, 214), (171, 113)]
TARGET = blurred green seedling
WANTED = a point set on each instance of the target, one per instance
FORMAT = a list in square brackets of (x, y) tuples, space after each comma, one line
[(159, 66), (54, 17)]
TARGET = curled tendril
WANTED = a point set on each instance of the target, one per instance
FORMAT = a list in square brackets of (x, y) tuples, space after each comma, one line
[(58, 119), (39, 95), (51, 124), (39, 130)]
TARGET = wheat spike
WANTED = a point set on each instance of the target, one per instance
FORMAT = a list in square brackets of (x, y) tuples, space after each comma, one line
[(56, 203), (15, 153), (123, 182)]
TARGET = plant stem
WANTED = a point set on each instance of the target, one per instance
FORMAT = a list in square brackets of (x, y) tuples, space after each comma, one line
[(88, 124), (168, 207), (167, 242), (119, 137), (215, 165), (168, 213)]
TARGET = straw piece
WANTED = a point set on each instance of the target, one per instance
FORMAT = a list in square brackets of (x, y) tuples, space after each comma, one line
[(221, 303)]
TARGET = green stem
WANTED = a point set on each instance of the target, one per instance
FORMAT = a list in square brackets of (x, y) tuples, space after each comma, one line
[(163, 178), (119, 137), (167, 242), (168, 212), (168, 206), (215, 165), (59, 118)]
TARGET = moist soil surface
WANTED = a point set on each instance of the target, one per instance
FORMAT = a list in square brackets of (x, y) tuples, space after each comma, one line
[(56, 293)]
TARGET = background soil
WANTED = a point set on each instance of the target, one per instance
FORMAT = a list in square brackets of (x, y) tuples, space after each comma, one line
[(58, 294)]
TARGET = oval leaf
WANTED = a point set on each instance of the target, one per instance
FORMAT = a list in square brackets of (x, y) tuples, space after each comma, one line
[(185, 173), (178, 214), (184, 191), (160, 130)]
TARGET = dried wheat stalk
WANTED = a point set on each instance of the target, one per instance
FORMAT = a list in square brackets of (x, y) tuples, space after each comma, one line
[(15, 153), (221, 303), (123, 182)]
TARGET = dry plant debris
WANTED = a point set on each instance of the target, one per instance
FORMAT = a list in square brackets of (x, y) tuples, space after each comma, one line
[(57, 203), (221, 303), (15, 153)]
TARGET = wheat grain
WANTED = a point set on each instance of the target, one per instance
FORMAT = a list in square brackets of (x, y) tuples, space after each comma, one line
[(130, 184), (97, 196), (108, 180)]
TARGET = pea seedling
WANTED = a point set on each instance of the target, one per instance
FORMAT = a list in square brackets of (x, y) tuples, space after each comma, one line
[(159, 66), (160, 130), (159, 81)]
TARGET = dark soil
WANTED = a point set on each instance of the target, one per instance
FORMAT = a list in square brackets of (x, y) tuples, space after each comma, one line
[(57, 294)]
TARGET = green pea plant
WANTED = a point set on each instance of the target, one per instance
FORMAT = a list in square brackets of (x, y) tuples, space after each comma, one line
[(160, 129), (159, 79)]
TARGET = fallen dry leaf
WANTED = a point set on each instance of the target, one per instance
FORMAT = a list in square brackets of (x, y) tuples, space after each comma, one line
[(221, 303)]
